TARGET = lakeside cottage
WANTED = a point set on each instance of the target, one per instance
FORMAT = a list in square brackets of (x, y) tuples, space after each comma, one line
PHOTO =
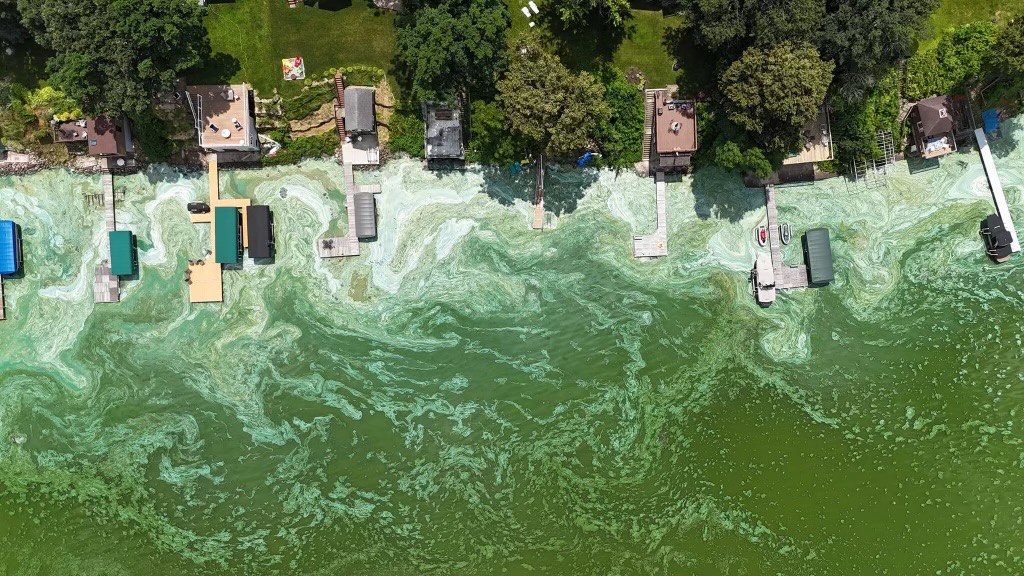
[(442, 132), (105, 137), (931, 127), (225, 117), (675, 131)]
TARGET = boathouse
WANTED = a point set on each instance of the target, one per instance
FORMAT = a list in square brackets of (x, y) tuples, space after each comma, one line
[(818, 255), (260, 225), (366, 215), (123, 259), (227, 222), (442, 137), (10, 248)]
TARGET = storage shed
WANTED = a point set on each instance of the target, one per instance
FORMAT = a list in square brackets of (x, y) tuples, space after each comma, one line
[(818, 254), (10, 248), (366, 215), (123, 259), (260, 224), (227, 224)]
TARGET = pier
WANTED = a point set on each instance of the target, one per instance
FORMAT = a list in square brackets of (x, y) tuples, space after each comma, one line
[(347, 245), (656, 244), (785, 276), (105, 286), (997, 188), (205, 276), (538, 204)]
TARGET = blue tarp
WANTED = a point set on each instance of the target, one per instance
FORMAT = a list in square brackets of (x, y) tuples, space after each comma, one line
[(990, 119), (515, 168), (8, 247), (583, 160)]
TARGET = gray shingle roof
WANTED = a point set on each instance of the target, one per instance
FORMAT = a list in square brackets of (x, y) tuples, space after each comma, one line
[(359, 117)]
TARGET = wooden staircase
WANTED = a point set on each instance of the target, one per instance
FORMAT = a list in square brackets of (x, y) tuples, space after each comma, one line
[(339, 108), (648, 124)]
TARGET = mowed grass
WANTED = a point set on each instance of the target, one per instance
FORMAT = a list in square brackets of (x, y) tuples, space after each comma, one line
[(644, 47), (252, 36), (956, 12)]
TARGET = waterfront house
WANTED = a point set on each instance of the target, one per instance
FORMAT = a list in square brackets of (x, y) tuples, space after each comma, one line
[(931, 127), (105, 137), (225, 117), (442, 127), (675, 131), (361, 146)]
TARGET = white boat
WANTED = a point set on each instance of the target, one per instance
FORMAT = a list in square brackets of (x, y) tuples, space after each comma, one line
[(786, 232), (761, 235), (763, 280)]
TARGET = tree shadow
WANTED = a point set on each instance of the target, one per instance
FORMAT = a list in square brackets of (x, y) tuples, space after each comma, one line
[(564, 187), (329, 5), (696, 66), (217, 68), (586, 45), (719, 194)]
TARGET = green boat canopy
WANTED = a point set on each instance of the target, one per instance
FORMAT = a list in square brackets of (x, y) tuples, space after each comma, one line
[(227, 224), (818, 253), (122, 253)]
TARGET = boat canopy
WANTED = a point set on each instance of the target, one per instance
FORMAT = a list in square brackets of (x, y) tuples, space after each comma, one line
[(122, 253), (228, 244), (818, 252), (10, 248)]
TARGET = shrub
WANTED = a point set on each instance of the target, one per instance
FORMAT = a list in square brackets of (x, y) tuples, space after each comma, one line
[(293, 150), (152, 135), (406, 133), (620, 137), (957, 57), (308, 101), (490, 140)]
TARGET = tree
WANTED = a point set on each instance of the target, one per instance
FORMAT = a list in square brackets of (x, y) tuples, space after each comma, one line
[(12, 32), (864, 37), (490, 141), (724, 25), (620, 138), (113, 56), (446, 48), (552, 110), (577, 12), (1008, 52), (772, 93)]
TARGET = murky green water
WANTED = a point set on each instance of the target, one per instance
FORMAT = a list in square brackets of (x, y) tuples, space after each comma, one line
[(474, 397)]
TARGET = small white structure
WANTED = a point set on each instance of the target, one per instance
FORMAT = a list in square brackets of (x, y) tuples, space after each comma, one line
[(533, 7), (763, 280)]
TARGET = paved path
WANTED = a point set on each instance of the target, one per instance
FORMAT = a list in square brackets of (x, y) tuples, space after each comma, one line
[(656, 244)]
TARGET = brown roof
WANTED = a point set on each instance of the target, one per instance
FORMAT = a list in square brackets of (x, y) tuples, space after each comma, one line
[(106, 137), (934, 116), (675, 125), (220, 106)]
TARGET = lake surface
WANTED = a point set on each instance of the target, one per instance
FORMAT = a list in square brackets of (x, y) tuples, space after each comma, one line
[(471, 396)]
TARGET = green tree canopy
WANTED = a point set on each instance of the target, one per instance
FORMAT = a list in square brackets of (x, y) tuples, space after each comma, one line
[(863, 37), (621, 136), (578, 12), (737, 24), (490, 141), (113, 56), (551, 109), (1008, 51), (772, 93), (444, 48)]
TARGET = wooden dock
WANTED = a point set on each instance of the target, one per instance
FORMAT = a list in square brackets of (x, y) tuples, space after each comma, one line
[(538, 203), (997, 188), (105, 286), (656, 244), (347, 245), (785, 276)]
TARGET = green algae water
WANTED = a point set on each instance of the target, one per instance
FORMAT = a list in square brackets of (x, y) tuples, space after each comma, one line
[(471, 396)]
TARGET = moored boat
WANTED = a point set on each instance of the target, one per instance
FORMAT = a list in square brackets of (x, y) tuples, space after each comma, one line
[(786, 232), (761, 235)]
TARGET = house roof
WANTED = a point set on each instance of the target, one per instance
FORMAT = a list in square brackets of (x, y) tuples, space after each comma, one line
[(217, 107), (359, 109), (935, 116), (442, 131), (675, 124), (106, 137)]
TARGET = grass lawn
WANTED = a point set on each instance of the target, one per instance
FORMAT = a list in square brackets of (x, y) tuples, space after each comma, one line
[(592, 46), (955, 12), (250, 37)]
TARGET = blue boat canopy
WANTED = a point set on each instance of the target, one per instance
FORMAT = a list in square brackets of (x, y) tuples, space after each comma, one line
[(10, 248), (990, 120)]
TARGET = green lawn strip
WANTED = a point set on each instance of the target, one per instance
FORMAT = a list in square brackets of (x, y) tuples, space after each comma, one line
[(259, 33), (643, 47), (956, 12)]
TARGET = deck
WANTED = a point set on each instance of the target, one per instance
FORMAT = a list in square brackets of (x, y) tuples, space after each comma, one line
[(656, 244), (538, 205), (997, 188), (105, 286), (204, 277), (785, 276), (347, 245)]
